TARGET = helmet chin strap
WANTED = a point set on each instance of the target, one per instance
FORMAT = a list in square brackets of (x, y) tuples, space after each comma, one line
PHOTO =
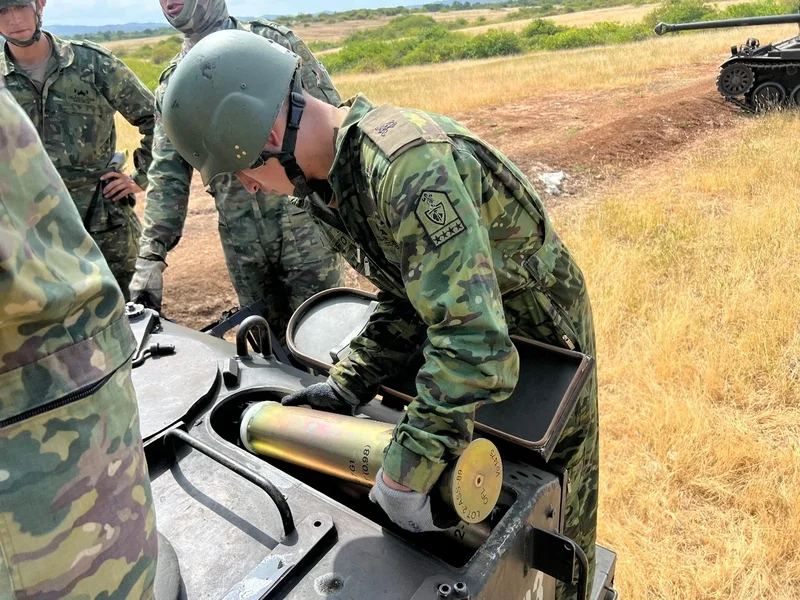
[(37, 35), (297, 104)]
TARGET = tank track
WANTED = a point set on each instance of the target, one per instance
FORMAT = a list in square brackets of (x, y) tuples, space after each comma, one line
[(755, 66)]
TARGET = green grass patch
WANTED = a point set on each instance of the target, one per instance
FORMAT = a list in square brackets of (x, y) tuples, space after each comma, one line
[(149, 61), (320, 45), (419, 39), (146, 71)]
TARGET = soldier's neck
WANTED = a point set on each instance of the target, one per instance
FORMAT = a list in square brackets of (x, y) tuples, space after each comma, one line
[(31, 55), (317, 137)]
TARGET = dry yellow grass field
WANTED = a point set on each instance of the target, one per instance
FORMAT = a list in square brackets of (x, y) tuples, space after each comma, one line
[(619, 14), (333, 32), (693, 278), (453, 87), (692, 268), (134, 43)]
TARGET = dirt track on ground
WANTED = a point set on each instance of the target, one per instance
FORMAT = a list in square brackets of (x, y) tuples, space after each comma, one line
[(597, 138)]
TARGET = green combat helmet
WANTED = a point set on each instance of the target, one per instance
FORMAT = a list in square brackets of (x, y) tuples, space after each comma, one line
[(223, 99), (37, 7)]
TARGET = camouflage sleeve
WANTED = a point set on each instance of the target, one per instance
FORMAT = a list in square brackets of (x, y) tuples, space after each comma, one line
[(167, 202), (129, 96), (76, 509), (62, 323), (431, 198), (392, 335)]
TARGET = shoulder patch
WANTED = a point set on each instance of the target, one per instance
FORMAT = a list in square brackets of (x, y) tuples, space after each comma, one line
[(394, 130), (93, 46), (438, 217)]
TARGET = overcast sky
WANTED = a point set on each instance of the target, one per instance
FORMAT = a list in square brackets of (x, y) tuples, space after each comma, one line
[(107, 12)]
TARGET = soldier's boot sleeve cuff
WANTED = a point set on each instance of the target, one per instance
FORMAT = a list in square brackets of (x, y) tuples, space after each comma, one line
[(354, 394), (152, 250), (411, 469)]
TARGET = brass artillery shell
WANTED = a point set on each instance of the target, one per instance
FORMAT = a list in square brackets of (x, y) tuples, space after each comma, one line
[(352, 448)]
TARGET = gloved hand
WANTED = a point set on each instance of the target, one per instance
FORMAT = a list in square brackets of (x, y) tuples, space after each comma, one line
[(322, 396), (409, 510), (147, 285)]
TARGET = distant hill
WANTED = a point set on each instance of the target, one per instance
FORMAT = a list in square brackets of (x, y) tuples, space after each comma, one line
[(81, 29), (71, 30)]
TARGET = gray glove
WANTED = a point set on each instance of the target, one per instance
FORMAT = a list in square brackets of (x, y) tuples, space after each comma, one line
[(147, 285), (323, 396), (409, 510)]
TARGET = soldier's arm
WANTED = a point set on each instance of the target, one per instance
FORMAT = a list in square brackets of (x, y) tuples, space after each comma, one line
[(392, 335), (167, 201), (431, 199), (129, 96)]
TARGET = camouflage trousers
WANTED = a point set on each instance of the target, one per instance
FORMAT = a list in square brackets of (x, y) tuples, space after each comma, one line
[(273, 251), (114, 227), (120, 246), (76, 510), (578, 450)]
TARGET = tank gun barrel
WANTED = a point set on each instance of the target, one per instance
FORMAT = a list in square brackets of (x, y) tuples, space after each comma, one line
[(663, 28)]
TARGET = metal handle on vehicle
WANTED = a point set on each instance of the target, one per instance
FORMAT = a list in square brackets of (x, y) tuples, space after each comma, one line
[(251, 476), (264, 340), (558, 556)]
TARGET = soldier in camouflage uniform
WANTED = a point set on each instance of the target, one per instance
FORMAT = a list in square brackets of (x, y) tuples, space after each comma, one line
[(272, 249), (71, 91), (445, 225), (76, 512)]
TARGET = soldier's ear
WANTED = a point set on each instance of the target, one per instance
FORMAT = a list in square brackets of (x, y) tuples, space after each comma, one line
[(274, 141)]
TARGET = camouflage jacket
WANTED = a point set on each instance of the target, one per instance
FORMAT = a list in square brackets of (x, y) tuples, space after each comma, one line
[(61, 312), (449, 230), (74, 114), (170, 176)]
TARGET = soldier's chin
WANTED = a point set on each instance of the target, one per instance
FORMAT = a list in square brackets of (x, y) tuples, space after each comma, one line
[(23, 35)]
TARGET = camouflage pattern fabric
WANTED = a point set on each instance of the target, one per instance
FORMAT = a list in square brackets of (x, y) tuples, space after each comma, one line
[(197, 19), (76, 512), (74, 116), (273, 250), (464, 254)]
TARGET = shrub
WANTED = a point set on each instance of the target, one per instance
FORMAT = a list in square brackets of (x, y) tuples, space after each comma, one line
[(146, 71), (437, 50), (763, 8), (494, 42), (399, 27), (372, 53), (541, 27), (681, 11), (165, 50)]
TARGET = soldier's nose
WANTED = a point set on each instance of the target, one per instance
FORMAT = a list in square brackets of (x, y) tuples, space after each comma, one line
[(249, 184)]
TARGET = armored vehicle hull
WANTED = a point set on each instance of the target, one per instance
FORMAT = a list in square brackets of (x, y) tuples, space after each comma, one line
[(755, 77), (233, 525)]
